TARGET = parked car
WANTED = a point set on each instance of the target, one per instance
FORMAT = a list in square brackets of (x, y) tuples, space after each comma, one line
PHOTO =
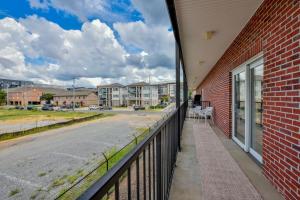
[(94, 107), (31, 107), (19, 107), (47, 107), (136, 108), (63, 107), (105, 108)]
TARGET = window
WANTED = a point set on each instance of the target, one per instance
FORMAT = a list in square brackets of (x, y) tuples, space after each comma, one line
[(115, 89)]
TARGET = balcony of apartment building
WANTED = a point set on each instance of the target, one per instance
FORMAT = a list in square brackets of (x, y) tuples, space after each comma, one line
[(243, 58)]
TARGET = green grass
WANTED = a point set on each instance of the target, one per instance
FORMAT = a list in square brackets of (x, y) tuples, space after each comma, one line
[(13, 192), (13, 114), (8, 136)]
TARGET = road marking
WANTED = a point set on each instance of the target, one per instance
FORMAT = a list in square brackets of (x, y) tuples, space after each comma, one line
[(19, 180), (71, 156)]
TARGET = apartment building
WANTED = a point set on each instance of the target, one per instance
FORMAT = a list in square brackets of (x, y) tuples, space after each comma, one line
[(8, 83), (142, 94), (167, 90), (79, 97), (112, 95), (29, 95)]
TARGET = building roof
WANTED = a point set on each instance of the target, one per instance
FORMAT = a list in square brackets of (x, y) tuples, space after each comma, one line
[(111, 85), (138, 84), (51, 90), (76, 93)]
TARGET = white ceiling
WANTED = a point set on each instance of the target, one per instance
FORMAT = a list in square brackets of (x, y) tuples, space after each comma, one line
[(195, 17)]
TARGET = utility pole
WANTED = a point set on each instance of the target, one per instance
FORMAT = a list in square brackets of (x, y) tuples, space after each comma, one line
[(73, 94), (7, 100), (150, 90)]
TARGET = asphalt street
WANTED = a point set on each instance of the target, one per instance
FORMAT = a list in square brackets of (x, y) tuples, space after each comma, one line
[(31, 164)]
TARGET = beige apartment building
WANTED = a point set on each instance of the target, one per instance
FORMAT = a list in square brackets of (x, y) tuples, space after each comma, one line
[(29, 95), (112, 95), (142, 94), (80, 98)]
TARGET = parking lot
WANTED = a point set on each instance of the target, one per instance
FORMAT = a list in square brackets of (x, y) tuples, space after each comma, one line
[(30, 166)]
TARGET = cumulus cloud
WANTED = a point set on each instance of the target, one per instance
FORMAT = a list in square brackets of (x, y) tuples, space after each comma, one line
[(154, 11), (157, 41), (35, 44), (80, 8), (37, 49), (87, 9), (42, 51)]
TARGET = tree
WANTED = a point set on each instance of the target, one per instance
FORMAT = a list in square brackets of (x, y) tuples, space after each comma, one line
[(190, 94), (165, 99), (2, 97), (47, 97)]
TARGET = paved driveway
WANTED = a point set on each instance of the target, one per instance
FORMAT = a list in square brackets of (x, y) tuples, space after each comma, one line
[(30, 165)]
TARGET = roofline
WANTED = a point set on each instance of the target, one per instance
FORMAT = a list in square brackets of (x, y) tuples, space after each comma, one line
[(71, 94)]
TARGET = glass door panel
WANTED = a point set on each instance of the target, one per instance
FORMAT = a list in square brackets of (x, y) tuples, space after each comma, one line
[(256, 75), (239, 106)]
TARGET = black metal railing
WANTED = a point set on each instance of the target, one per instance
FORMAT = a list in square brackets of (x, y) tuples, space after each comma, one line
[(146, 172), (204, 104)]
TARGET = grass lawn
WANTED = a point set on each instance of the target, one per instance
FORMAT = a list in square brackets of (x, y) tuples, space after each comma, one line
[(32, 115), (154, 109)]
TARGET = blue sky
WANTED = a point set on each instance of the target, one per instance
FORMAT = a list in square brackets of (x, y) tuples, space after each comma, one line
[(21, 9), (112, 41)]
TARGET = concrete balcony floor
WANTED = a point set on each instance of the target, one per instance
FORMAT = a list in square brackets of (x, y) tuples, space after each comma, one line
[(212, 167)]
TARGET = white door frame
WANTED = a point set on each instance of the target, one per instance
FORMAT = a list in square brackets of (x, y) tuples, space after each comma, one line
[(241, 68), (245, 67), (257, 62)]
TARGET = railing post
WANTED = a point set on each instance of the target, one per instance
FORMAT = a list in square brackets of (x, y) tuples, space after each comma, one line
[(178, 94), (158, 168)]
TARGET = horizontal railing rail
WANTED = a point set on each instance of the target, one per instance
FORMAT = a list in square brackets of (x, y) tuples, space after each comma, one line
[(146, 172)]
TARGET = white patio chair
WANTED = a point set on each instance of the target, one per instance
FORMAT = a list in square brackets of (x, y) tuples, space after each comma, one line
[(207, 112), (195, 112)]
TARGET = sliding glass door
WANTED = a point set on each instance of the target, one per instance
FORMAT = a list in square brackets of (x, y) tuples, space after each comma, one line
[(256, 105), (247, 107), (239, 107)]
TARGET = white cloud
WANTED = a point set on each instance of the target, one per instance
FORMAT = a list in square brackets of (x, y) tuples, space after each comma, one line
[(40, 50), (156, 41), (84, 9), (154, 11), (36, 49)]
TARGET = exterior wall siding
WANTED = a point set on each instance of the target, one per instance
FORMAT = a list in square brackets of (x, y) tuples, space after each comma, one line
[(274, 30), (26, 97)]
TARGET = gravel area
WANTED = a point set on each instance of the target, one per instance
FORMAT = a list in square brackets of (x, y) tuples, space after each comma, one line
[(32, 166)]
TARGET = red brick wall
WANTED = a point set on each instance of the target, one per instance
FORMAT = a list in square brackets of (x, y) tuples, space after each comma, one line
[(274, 30)]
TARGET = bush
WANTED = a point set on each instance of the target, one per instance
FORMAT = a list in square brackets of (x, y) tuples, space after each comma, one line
[(159, 106)]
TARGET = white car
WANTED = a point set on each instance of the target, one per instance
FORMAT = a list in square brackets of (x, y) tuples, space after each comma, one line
[(93, 107)]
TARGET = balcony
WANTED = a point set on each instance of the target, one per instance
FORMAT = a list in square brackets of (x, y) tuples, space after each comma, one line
[(211, 166), (207, 166), (234, 61)]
